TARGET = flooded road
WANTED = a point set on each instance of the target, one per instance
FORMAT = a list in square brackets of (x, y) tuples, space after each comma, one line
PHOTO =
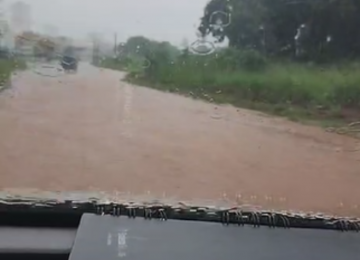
[(91, 131)]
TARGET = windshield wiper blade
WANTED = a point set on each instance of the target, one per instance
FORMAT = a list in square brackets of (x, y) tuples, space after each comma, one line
[(164, 210)]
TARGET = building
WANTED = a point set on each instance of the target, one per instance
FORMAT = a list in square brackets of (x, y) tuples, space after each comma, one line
[(7, 40), (20, 17)]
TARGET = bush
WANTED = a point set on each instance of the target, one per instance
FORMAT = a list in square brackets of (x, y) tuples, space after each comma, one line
[(243, 77), (247, 76), (252, 60), (8, 66)]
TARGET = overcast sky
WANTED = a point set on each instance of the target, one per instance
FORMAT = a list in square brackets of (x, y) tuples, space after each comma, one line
[(171, 20)]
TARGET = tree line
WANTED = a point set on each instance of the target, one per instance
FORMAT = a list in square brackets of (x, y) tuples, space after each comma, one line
[(319, 30)]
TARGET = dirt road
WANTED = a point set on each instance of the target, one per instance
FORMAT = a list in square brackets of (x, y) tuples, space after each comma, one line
[(90, 131)]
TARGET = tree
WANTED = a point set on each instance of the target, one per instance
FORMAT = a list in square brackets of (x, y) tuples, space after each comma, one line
[(44, 47), (138, 45), (271, 25)]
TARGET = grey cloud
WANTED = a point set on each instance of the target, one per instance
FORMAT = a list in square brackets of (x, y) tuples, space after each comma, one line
[(170, 20)]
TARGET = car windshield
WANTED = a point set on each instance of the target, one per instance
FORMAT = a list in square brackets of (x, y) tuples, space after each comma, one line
[(240, 103)]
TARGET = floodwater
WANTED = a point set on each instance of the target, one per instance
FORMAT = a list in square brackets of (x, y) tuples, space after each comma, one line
[(91, 131)]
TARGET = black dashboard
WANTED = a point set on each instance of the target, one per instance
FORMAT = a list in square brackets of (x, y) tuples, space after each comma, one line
[(78, 236)]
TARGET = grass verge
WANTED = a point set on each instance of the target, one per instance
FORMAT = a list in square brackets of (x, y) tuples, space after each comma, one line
[(7, 67), (326, 96)]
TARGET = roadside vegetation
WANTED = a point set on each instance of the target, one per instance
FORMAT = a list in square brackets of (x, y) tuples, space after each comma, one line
[(315, 77), (9, 65)]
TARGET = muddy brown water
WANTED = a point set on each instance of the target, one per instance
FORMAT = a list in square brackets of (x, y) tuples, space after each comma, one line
[(91, 131)]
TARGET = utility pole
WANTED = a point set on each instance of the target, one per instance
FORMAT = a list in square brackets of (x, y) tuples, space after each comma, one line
[(115, 44), (95, 52), (95, 39)]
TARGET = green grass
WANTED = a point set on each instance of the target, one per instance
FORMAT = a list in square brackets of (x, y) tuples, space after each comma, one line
[(300, 92), (111, 64), (7, 67), (133, 65)]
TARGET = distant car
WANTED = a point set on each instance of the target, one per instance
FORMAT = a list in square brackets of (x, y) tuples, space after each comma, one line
[(69, 63)]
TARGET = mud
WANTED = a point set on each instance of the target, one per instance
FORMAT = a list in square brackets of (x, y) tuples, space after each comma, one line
[(91, 131)]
